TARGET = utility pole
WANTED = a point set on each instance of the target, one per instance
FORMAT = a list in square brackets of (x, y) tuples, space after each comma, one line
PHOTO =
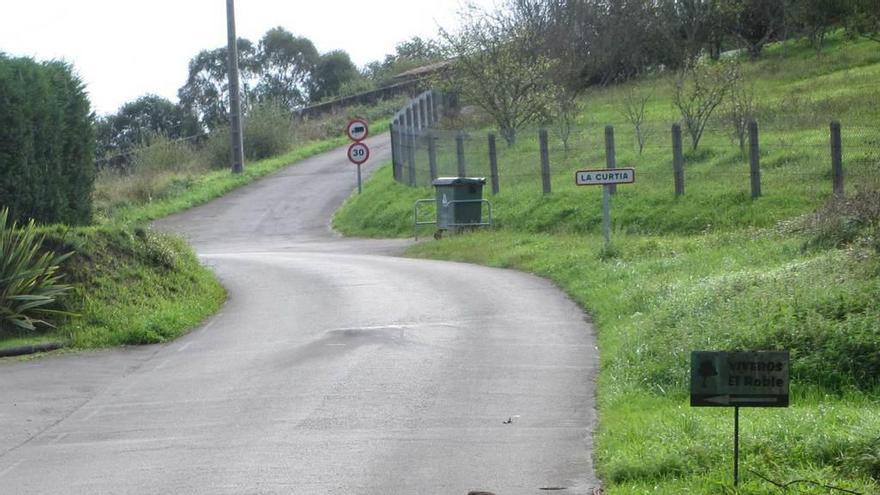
[(234, 95)]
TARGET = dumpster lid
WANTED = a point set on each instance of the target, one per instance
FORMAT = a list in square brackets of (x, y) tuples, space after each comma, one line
[(454, 181)]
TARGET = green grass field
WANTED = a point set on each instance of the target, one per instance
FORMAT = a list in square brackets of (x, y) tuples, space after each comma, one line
[(711, 270)]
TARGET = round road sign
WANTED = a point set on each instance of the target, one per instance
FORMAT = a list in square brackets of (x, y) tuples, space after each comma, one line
[(358, 153), (357, 130)]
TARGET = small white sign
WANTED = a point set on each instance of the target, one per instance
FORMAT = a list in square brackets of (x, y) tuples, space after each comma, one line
[(605, 176)]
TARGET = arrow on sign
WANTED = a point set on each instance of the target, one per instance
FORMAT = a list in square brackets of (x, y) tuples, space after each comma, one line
[(727, 400)]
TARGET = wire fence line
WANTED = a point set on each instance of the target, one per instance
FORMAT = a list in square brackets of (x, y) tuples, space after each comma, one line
[(819, 159)]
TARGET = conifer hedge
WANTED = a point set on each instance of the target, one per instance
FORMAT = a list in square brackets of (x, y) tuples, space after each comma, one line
[(46, 142)]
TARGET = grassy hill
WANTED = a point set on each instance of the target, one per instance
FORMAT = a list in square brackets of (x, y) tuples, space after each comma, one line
[(711, 270)]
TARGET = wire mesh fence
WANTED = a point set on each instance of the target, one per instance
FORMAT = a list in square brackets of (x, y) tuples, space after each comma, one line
[(787, 159)]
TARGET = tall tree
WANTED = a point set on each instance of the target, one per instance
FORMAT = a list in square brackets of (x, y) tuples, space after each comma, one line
[(499, 69), (693, 25), (138, 121), (754, 23), (815, 18), (864, 19), (206, 92), (286, 63), (332, 71)]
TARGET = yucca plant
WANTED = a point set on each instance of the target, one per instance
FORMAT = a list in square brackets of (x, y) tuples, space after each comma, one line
[(29, 278)]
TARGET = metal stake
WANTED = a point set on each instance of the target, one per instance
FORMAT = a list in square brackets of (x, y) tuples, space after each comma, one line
[(359, 178), (736, 446), (606, 216)]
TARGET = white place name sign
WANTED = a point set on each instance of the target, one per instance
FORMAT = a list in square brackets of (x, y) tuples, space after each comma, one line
[(605, 176)]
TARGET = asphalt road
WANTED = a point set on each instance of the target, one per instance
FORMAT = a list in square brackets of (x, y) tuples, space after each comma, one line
[(334, 368)]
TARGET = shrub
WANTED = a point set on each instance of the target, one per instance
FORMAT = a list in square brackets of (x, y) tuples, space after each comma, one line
[(267, 132), (28, 277), (46, 142), (847, 220), (163, 154)]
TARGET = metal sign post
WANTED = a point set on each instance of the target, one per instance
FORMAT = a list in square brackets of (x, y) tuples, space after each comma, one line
[(358, 153), (739, 379), (605, 177), (606, 215)]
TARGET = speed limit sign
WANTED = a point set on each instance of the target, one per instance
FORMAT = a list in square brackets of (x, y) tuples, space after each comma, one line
[(358, 153)]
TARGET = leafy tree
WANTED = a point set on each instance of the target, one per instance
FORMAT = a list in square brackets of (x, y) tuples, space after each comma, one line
[(631, 37), (332, 71), (815, 18), (206, 92), (864, 19), (286, 63), (693, 25), (599, 41), (754, 23), (498, 69), (138, 121), (409, 54)]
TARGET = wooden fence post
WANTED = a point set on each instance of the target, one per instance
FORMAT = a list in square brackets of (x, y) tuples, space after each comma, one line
[(677, 160), (754, 160), (836, 158), (493, 164), (545, 161), (610, 157), (459, 154)]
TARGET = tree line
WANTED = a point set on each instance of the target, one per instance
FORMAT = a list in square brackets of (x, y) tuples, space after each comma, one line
[(525, 61), (281, 70)]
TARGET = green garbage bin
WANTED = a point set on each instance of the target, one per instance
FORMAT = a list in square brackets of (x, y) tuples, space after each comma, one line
[(459, 201)]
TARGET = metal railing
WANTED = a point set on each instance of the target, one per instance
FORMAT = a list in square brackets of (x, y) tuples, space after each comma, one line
[(450, 225), (411, 124)]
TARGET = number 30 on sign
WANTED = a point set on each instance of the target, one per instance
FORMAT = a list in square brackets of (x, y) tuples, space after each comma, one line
[(358, 153)]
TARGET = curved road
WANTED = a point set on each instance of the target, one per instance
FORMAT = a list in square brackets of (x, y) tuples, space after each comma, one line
[(334, 368)]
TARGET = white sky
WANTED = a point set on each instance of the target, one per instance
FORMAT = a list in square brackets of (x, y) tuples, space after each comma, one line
[(123, 49)]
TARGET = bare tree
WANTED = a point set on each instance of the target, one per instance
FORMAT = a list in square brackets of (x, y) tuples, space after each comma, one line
[(634, 105), (740, 110), (566, 108), (698, 90), (498, 69)]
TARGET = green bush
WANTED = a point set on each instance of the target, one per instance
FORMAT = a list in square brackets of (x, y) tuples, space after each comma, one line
[(267, 132), (847, 220), (28, 277), (163, 154), (46, 142)]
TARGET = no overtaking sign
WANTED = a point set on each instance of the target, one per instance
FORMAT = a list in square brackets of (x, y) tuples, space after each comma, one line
[(357, 130)]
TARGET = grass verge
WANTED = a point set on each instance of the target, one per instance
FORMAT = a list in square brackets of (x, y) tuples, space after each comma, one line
[(135, 286), (712, 270)]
